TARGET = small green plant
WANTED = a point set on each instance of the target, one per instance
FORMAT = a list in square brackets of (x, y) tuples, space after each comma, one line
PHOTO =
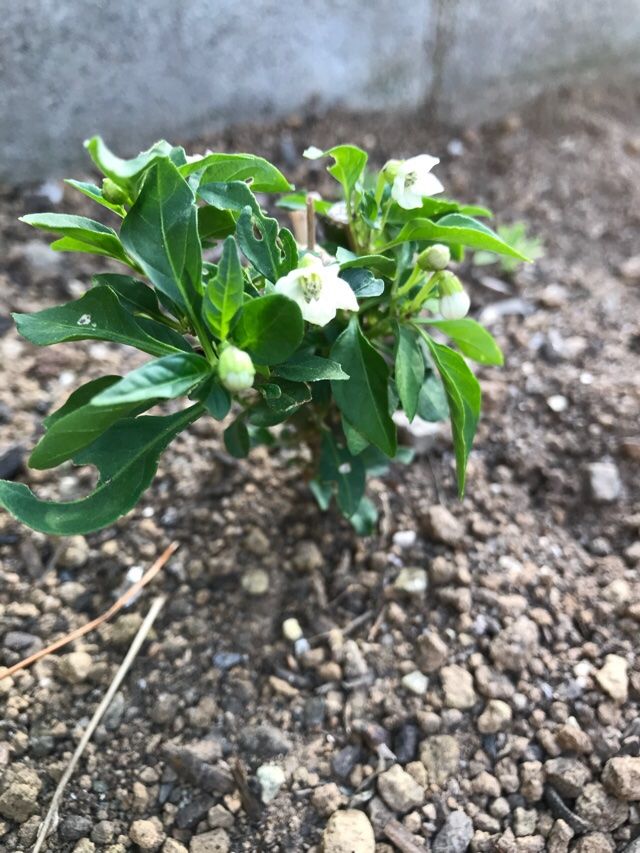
[(516, 236), (317, 344)]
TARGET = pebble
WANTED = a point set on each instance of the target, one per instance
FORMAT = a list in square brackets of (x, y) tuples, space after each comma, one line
[(457, 685), (621, 776), (604, 482), (442, 526), (415, 682), (265, 741), (326, 799), (257, 542), (147, 834), (219, 818), (20, 799), (291, 630), (308, 557), (432, 651), (74, 553), (255, 582), (516, 645), (440, 755), (496, 717), (559, 837), (567, 775), (412, 580), (613, 678), (74, 827), (455, 835), (216, 841), (348, 831), (524, 821), (85, 845), (271, 778), (75, 667), (399, 790), (594, 842), (173, 846), (600, 810)]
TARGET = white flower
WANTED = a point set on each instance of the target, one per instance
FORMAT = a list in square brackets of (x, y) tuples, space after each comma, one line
[(235, 369), (413, 180), (455, 307), (318, 290)]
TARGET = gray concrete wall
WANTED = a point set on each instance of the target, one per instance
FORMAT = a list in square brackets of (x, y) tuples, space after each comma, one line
[(135, 70)]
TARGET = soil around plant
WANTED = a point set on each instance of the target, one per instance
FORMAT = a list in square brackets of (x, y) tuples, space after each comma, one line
[(467, 678)]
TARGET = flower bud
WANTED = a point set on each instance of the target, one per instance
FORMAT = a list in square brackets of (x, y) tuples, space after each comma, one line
[(454, 300), (235, 369), (112, 192), (390, 169), (434, 258)]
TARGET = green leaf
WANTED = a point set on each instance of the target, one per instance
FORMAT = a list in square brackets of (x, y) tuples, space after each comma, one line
[(379, 263), (310, 368), (128, 173), (214, 224), (363, 282), (278, 407), (363, 400), (161, 233), (235, 195), (348, 165), (269, 328), (162, 379), (455, 229), (356, 442), (365, 518), (78, 423), (434, 208), (266, 251), (214, 397), (98, 315), (464, 399), (338, 466), (298, 201), (79, 234), (225, 291), (432, 401), (409, 369), (126, 456), (133, 294), (95, 193), (236, 439), (223, 168), (472, 339)]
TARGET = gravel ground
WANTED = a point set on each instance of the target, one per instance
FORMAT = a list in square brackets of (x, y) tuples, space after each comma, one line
[(467, 679)]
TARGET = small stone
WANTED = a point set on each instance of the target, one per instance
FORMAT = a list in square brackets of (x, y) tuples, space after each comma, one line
[(594, 842), (630, 269), (74, 827), (271, 778), (572, 739), (74, 553), (399, 790), (124, 629), (524, 821), (308, 557), (567, 775), (20, 799), (216, 841), (613, 678), (257, 542), (265, 741), (532, 778), (604, 482), (432, 651), (600, 810), (348, 831), (75, 667), (147, 834), (516, 645), (442, 526), (85, 845), (291, 630), (219, 818), (559, 837), (255, 582), (496, 717), (440, 755), (621, 776), (326, 799), (457, 684), (455, 835), (103, 832), (415, 682), (173, 846), (487, 785), (412, 580)]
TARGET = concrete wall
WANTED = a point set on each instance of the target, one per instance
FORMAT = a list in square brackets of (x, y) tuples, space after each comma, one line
[(135, 70)]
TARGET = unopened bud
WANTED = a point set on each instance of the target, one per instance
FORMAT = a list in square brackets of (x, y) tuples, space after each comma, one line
[(454, 300), (113, 193), (235, 369), (434, 258), (390, 169)]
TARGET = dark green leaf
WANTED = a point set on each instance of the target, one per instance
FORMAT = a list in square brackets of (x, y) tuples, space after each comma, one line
[(356, 442), (434, 208), (128, 173), (270, 328), (162, 379), (161, 233), (338, 466), (98, 315), (225, 291), (223, 168), (278, 407), (456, 229), (365, 518), (133, 294), (409, 369), (214, 224), (363, 400), (79, 234), (265, 249), (126, 457), (95, 193), (232, 196), (214, 397), (379, 263), (363, 282), (472, 339), (464, 398), (310, 368), (236, 439), (432, 402)]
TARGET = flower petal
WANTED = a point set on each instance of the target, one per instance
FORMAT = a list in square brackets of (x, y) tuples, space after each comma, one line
[(319, 311), (421, 164), (289, 285), (427, 184), (406, 198), (343, 296)]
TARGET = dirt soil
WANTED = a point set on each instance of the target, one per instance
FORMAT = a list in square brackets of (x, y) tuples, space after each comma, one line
[(523, 611)]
